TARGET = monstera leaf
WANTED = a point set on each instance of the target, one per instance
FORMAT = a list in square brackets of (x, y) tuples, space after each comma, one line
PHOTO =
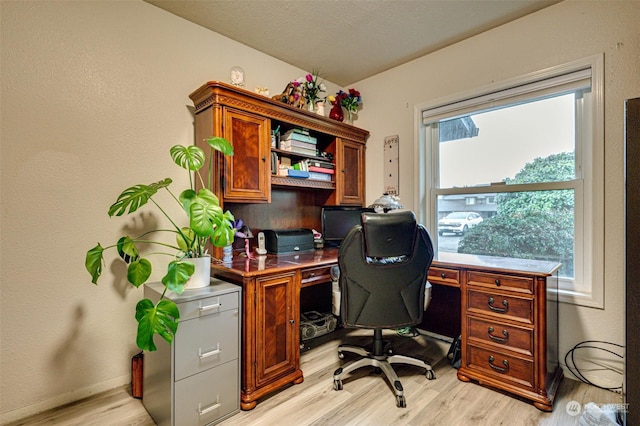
[(188, 157), (139, 271), (220, 144), (160, 319), (178, 273), (93, 262), (135, 197)]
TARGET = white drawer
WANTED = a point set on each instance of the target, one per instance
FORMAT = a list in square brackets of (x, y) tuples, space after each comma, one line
[(207, 396), (209, 305), (206, 342)]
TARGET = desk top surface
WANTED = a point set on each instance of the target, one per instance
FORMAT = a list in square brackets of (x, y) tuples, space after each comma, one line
[(271, 263)]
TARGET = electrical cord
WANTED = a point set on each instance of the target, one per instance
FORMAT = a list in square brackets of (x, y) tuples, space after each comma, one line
[(587, 344)]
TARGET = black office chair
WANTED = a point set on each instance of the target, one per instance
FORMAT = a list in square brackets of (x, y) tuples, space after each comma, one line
[(383, 271)]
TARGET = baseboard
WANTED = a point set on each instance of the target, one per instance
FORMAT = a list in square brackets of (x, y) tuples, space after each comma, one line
[(63, 399)]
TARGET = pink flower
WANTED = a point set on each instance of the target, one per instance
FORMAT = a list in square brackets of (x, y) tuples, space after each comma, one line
[(309, 78)]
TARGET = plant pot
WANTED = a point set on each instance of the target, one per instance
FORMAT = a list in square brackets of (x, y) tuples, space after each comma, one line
[(202, 275)]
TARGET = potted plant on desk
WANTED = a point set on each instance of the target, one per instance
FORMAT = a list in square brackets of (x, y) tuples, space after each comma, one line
[(206, 223)]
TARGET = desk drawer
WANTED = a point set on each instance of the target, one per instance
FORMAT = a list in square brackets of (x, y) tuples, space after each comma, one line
[(320, 274), (205, 342), (504, 336), (500, 305), (444, 276), (503, 282), (500, 366)]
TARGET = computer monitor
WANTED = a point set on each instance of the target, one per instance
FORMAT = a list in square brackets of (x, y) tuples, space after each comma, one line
[(338, 220)]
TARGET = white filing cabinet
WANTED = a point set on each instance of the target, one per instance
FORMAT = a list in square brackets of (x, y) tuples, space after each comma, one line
[(196, 380)]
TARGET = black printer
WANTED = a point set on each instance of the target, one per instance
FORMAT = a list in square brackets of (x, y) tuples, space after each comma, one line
[(288, 240)]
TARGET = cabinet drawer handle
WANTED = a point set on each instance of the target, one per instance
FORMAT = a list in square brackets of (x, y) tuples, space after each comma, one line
[(504, 339), (499, 369), (505, 303), (498, 283), (443, 275), (210, 353), (209, 307), (209, 409)]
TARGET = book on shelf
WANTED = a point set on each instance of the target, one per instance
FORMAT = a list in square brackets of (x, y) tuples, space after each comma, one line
[(293, 135), (321, 170), (302, 174), (298, 150), (320, 176), (286, 144), (323, 164), (302, 165)]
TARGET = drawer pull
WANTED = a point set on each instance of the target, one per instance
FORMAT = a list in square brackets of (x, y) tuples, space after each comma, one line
[(504, 339), (505, 303), (498, 283), (209, 307), (209, 409), (443, 275), (499, 369), (210, 353)]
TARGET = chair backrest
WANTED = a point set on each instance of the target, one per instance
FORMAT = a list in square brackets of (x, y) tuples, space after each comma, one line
[(384, 263)]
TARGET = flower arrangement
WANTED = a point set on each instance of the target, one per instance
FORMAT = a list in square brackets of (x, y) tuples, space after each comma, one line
[(350, 101), (312, 88)]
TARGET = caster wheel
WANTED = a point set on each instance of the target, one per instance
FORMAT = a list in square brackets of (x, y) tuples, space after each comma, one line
[(340, 355), (431, 374), (337, 384), (400, 401)]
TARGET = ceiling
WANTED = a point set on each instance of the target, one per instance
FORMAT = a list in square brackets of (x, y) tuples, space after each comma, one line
[(346, 41)]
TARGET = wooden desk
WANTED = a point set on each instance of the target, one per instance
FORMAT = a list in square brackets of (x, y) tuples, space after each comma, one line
[(509, 325), (271, 315)]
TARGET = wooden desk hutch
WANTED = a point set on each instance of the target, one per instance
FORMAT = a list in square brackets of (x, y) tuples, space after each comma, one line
[(507, 321), (253, 192)]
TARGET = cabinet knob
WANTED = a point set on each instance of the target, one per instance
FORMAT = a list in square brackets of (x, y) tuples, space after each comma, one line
[(498, 283), (292, 321), (443, 276)]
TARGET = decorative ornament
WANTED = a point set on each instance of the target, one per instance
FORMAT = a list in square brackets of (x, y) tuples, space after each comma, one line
[(237, 76)]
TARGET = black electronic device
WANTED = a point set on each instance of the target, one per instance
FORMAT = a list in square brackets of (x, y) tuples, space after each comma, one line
[(316, 324), (288, 240), (338, 220)]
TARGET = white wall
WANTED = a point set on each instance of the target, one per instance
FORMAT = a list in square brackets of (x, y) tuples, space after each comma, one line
[(559, 34), (93, 95)]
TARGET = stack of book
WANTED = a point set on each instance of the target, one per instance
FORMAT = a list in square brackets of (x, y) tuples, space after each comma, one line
[(299, 141), (320, 170)]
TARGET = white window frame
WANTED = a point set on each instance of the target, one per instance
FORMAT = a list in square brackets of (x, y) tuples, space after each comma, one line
[(587, 287)]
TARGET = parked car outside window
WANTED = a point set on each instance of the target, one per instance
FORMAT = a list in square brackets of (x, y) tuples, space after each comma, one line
[(458, 222)]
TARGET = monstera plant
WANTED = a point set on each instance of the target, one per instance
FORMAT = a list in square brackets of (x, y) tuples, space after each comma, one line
[(204, 221)]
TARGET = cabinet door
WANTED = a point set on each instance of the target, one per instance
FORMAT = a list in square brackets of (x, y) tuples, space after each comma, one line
[(247, 172), (277, 328), (350, 172)]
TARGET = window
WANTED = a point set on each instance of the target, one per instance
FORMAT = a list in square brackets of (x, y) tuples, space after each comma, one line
[(515, 170)]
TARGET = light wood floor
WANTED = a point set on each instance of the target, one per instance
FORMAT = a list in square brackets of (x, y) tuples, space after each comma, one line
[(366, 398)]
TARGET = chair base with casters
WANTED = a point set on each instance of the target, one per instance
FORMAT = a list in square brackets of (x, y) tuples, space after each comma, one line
[(381, 357)]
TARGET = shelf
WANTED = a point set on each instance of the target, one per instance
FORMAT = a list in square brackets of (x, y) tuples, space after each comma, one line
[(301, 183)]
